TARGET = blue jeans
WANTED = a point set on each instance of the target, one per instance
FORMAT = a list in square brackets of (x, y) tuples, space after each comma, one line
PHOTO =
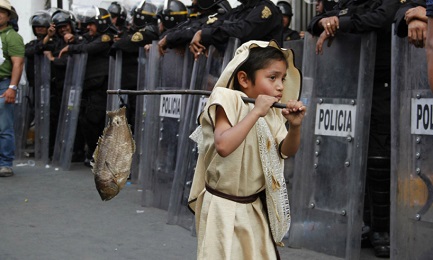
[(7, 137)]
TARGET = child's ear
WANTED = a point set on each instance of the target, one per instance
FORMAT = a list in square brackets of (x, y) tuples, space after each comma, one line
[(243, 79)]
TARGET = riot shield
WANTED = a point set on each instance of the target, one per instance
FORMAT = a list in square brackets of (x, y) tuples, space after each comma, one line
[(298, 49), (140, 112), (114, 82), (204, 75), (164, 113), (69, 111), (330, 165), (22, 112), (411, 153), (230, 50), (42, 108)]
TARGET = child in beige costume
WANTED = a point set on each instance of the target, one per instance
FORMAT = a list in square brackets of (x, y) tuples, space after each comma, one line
[(241, 151)]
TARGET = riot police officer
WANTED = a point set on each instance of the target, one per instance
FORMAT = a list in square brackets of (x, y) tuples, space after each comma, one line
[(206, 11), (174, 13), (286, 10), (118, 16), (61, 32), (40, 22), (96, 43), (143, 30)]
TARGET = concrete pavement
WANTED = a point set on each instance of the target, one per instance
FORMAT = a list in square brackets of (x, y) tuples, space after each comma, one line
[(53, 214)]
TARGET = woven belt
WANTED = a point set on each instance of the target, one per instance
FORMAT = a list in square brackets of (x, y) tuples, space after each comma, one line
[(238, 199)]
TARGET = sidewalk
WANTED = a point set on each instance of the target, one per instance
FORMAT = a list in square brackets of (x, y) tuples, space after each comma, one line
[(52, 214)]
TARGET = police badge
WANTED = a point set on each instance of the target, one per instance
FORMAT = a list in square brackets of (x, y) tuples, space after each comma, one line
[(266, 12)]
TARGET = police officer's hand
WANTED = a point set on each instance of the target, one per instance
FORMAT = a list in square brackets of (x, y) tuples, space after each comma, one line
[(162, 46), (49, 55), (64, 50), (9, 96), (69, 38), (418, 12), (417, 33), (330, 25), (147, 47), (195, 46), (322, 38), (51, 30)]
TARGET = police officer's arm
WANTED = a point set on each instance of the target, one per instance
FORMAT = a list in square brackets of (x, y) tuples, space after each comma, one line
[(182, 36), (144, 37), (369, 21), (335, 20), (99, 45), (411, 21), (255, 25), (50, 34)]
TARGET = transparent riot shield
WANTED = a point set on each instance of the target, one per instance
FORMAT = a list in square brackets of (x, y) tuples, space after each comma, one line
[(42, 108), (411, 153), (69, 111), (114, 82), (230, 50), (143, 83), (328, 186), (298, 48), (161, 134), (22, 112), (205, 73)]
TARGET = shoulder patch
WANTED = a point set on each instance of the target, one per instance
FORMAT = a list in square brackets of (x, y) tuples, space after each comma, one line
[(266, 12), (211, 19), (105, 38), (137, 37)]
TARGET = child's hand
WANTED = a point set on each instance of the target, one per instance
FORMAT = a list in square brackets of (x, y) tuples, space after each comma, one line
[(263, 103), (294, 112)]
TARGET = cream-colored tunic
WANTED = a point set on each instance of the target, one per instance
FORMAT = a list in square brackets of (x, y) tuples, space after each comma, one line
[(227, 229)]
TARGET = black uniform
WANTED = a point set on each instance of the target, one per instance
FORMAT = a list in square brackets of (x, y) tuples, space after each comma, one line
[(290, 35), (359, 17), (182, 34), (254, 20), (91, 120)]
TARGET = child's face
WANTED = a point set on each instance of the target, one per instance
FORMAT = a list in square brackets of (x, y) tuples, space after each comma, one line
[(269, 81)]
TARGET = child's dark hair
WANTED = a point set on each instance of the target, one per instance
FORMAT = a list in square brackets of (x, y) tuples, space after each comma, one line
[(258, 58)]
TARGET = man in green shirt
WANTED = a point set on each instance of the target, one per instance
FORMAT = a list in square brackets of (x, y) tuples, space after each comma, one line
[(11, 67)]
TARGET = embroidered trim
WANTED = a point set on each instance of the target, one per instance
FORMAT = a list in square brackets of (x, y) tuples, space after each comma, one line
[(277, 199)]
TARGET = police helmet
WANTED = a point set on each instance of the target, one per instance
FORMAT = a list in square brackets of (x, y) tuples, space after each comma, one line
[(144, 14), (98, 16), (117, 10), (63, 17), (285, 8), (40, 19), (173, 14)]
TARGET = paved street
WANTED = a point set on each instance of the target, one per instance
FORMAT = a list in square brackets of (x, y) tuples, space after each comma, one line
[(52, 214)]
